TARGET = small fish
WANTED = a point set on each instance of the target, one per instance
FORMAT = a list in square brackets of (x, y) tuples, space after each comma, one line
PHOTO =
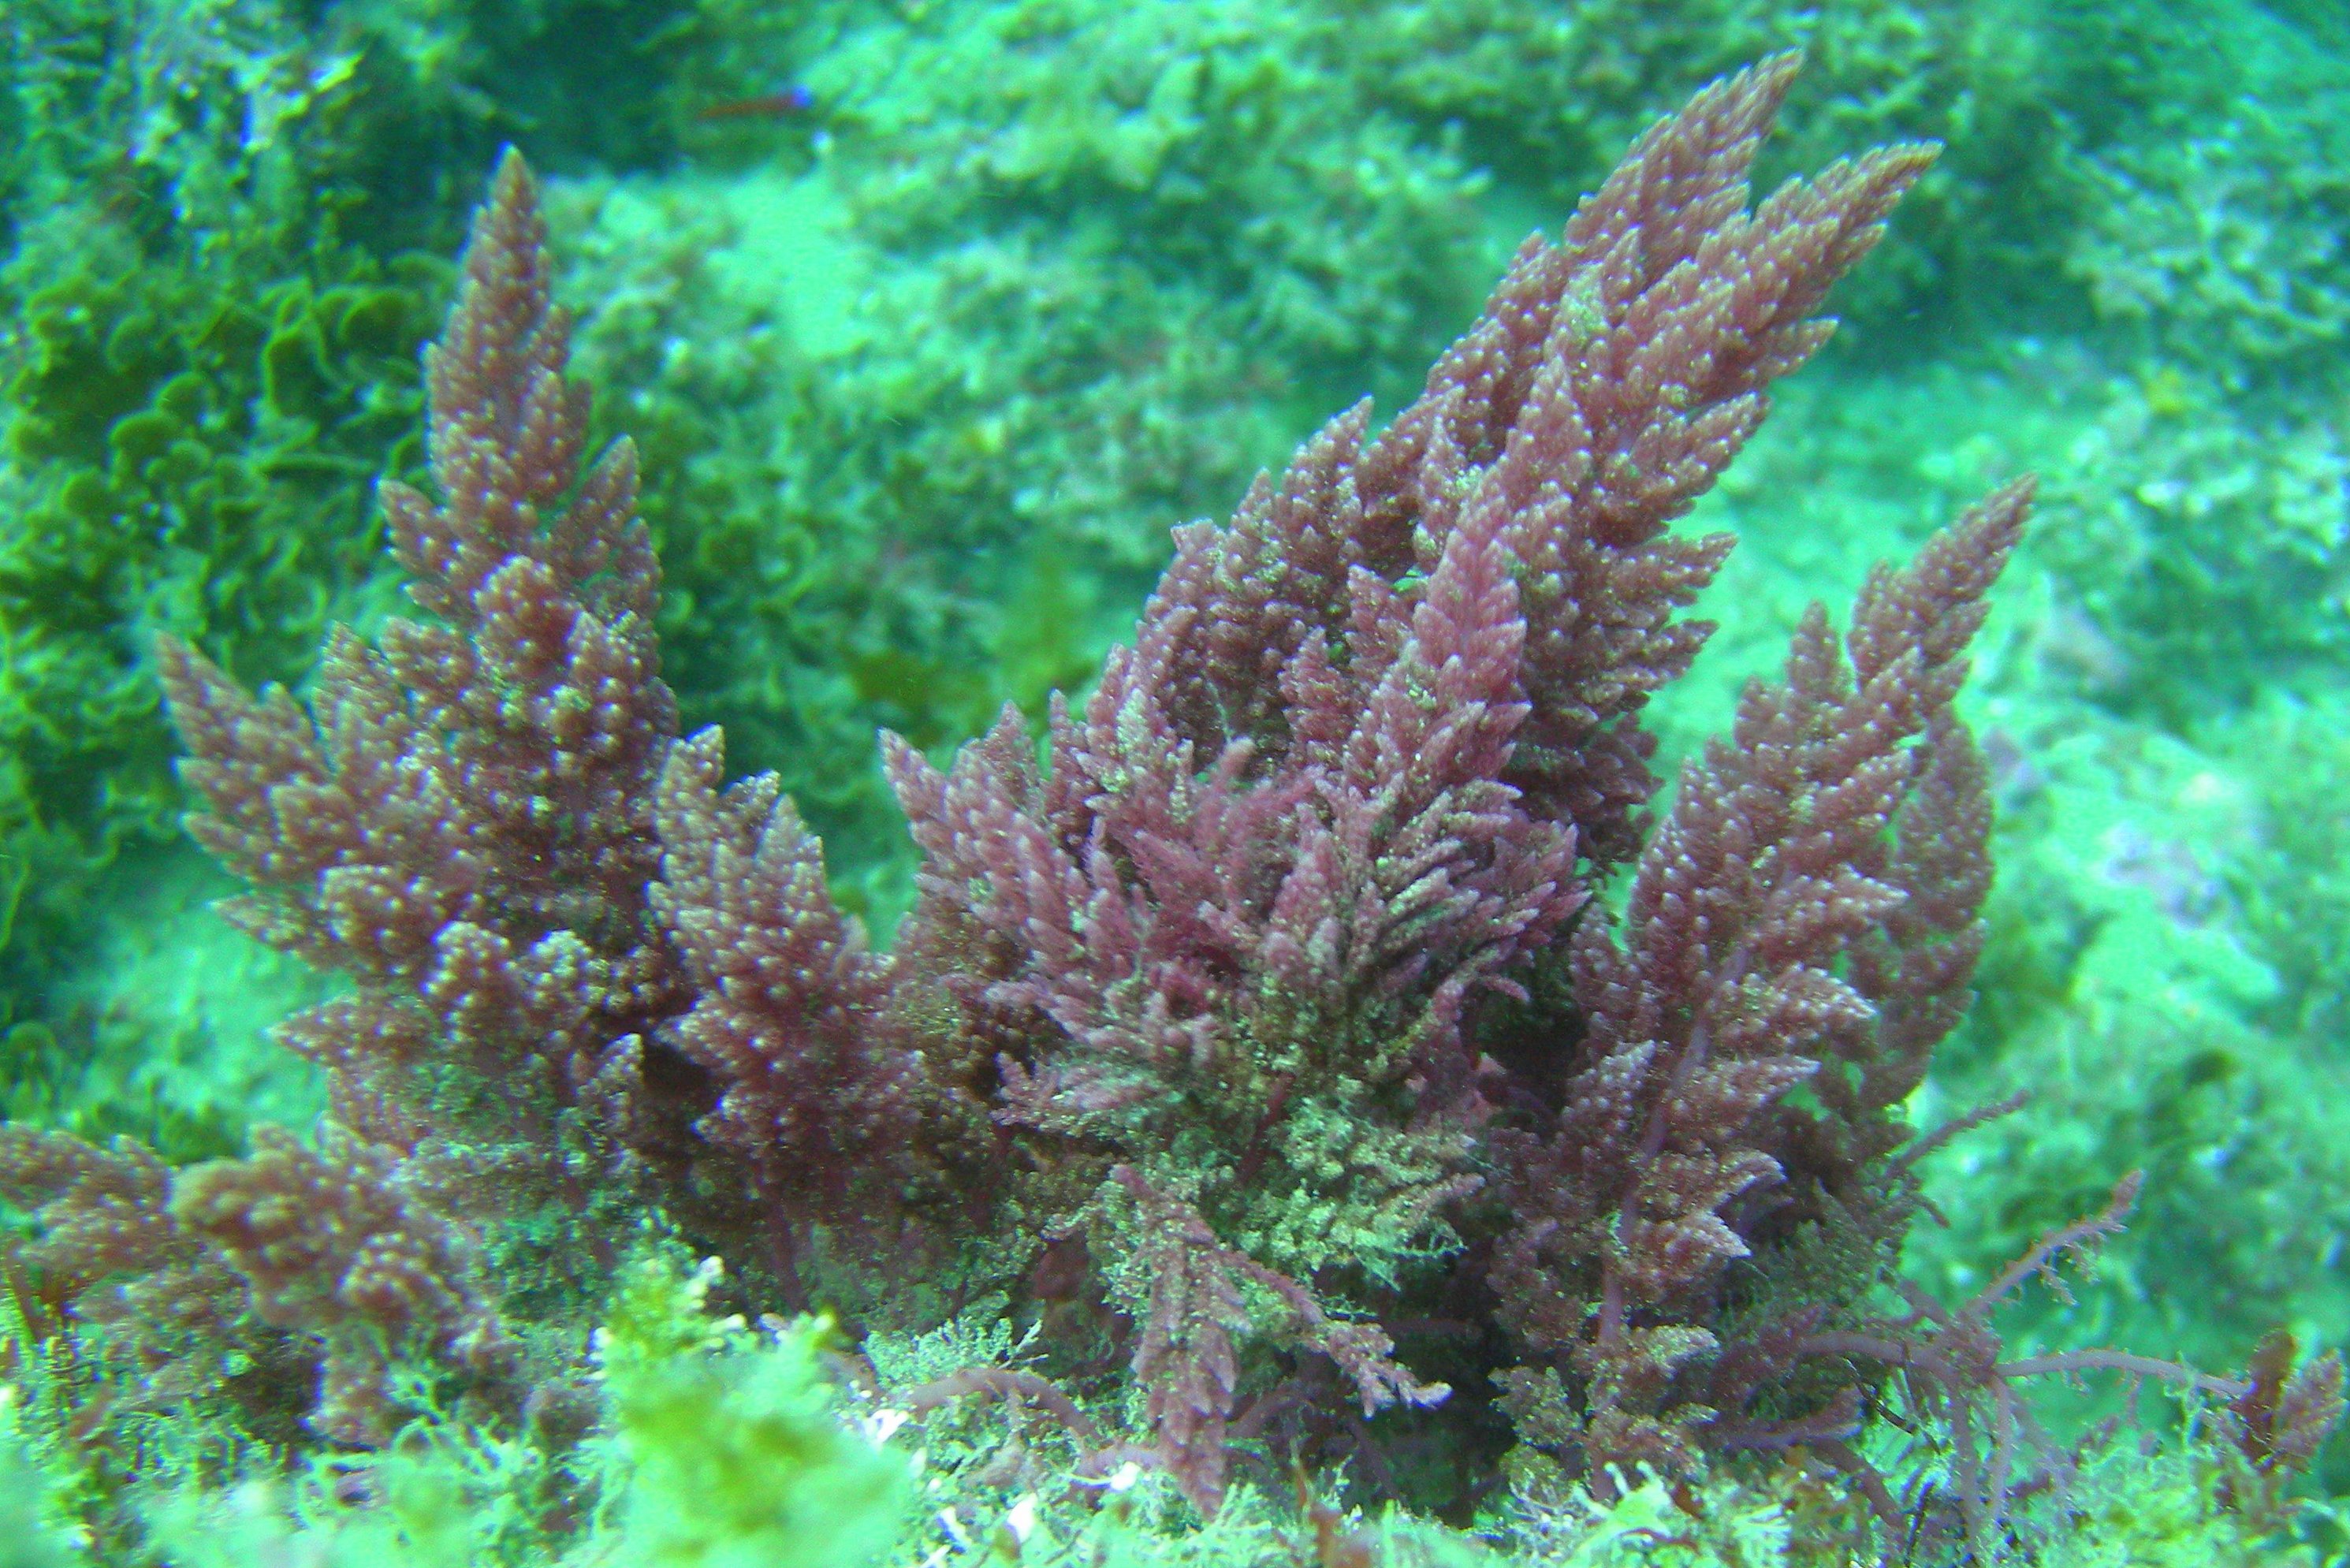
[(793, 99)]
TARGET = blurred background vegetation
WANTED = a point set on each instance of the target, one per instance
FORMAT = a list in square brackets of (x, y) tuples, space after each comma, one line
[(932, 317)]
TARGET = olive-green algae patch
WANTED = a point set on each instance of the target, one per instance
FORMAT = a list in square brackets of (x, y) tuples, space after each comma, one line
[(185, 459)]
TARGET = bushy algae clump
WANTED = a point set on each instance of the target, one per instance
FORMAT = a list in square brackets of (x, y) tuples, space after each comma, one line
[(1256, 1049)]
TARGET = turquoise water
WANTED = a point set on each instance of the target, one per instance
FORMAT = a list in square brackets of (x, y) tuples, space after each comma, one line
[(928, 321)]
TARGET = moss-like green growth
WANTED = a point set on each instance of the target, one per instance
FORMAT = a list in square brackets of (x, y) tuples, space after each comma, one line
[(2203, 541), (34, 1531), (734, 1451)]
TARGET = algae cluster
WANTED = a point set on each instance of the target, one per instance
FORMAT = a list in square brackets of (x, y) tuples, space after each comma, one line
[(930, 318)]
